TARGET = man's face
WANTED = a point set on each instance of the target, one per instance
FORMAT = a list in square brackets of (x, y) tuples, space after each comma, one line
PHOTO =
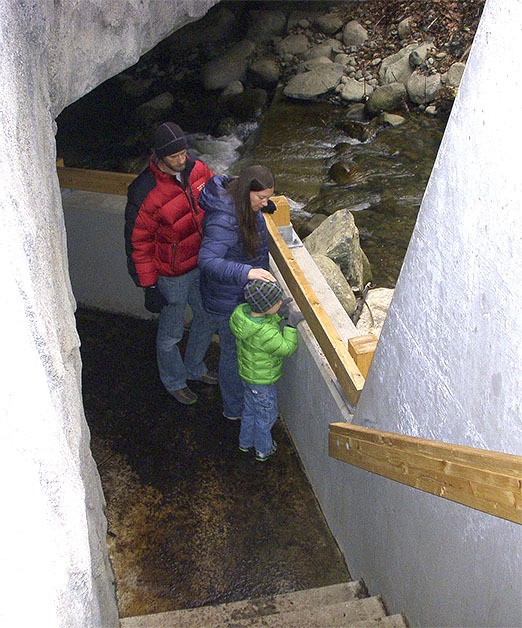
[(176, 161)]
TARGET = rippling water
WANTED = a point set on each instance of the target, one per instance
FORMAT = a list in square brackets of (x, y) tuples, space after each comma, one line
[(301, 142)]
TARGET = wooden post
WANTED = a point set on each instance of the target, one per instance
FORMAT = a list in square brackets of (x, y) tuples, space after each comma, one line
[(361, 349), (281, 216)]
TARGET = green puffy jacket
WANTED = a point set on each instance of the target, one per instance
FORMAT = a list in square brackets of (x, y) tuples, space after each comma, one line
[(261, 345)]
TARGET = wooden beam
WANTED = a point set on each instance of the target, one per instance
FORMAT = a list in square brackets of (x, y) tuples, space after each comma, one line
[(488, 481), (361, 349), (101, 181), (334, 349)]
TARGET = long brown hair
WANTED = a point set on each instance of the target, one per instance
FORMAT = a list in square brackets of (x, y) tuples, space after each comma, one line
[(252, 179)]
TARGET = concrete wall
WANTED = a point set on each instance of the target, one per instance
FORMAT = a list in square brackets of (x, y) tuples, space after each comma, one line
[(54, 564), (447, 366)]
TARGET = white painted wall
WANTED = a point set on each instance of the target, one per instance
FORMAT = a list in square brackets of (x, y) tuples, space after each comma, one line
[(448, 362), (54, 568)]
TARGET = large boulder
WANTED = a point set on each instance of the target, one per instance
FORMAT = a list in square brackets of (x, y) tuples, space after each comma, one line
[(265, 25), (230, 66), (386, 98), (398, 68), (292, 45), (337, 282), (315, 82), (374, 312), (354, 34), (423, 88), (337, 237)]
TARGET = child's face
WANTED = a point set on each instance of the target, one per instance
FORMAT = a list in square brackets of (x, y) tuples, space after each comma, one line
[(274, 308)]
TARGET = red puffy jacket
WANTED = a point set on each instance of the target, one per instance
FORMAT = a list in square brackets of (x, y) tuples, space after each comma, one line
[(164, 234)]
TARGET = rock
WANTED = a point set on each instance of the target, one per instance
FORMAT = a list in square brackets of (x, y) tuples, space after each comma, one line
[(423, 88), (354, 34), (246, 105), (315, 82), (337, 282), (391, 119), (375, 310), (404, 28), (398, 67), (354, 91), (389, 97), (264, 72), (328, 24), (233, 88), (342, 173), (337, 237), (265, 25), (454, 74), (292, 45), (360, 131), (324, 49), (312, 63), (155, 109), (231, 66)]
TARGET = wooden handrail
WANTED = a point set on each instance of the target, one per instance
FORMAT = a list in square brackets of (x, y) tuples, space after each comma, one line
[(336, 352), (485, 480), (102, 181)]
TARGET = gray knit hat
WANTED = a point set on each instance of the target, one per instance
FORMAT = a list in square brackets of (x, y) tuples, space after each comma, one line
[(262, 295), (169, 139)]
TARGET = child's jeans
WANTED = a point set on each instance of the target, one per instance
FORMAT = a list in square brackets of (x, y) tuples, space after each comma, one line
[(259, 415)]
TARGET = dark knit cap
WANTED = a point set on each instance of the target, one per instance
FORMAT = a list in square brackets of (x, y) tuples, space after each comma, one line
[(262, 295), (169, 139)]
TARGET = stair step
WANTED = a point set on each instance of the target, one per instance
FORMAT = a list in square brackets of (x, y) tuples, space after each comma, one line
[(390, 621), (340, 614), (223, 614)]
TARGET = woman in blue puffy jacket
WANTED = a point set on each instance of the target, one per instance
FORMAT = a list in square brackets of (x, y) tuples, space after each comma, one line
[(233, 251)]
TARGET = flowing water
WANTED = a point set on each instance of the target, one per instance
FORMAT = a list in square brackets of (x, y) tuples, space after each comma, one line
[(301, 142)]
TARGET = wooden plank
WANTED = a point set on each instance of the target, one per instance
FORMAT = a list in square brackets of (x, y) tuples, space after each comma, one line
[(333, 347), (361, 349), (485, 480), (281, 216), (101, 181)]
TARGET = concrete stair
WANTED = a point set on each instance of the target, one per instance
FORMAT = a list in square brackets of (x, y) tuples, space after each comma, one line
[(345, 604)]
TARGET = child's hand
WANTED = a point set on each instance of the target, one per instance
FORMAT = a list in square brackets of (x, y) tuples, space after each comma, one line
[(294, 317)]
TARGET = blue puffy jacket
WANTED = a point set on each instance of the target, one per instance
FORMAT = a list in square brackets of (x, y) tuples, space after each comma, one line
[(223, 263)]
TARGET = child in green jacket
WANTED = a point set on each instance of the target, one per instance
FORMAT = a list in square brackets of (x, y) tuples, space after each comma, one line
[(261, 347)]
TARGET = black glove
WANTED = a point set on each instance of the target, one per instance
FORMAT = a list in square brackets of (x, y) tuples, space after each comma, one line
[(284, 310), (270, 207), (154, 300), (294, 317)]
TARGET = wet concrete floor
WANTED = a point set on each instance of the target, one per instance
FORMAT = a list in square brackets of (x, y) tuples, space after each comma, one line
[(192, 520)]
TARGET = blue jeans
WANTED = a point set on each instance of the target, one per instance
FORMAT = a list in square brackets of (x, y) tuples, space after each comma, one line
[(230, 384), (259, 416), (180, 291)]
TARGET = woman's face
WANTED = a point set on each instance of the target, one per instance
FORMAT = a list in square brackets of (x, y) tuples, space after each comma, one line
[(258, 200)]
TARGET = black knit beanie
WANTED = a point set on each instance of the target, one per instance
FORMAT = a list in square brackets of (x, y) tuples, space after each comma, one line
[(262, 295), (169, 139)]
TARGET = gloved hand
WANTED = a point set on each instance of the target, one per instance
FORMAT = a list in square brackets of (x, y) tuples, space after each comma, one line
[(154, 300), (294, 317), (269, 208), (284, 310)]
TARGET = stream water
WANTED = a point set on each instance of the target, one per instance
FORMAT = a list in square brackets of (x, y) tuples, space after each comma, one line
[(300, 142)]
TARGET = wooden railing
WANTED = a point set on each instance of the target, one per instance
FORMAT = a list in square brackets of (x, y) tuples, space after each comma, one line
[(489, 481)]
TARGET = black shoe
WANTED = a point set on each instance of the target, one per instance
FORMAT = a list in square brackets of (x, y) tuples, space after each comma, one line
[(185, 396), (232, 418)]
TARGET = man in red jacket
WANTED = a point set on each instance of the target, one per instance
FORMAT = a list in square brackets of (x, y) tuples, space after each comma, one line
[(163, 231)]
